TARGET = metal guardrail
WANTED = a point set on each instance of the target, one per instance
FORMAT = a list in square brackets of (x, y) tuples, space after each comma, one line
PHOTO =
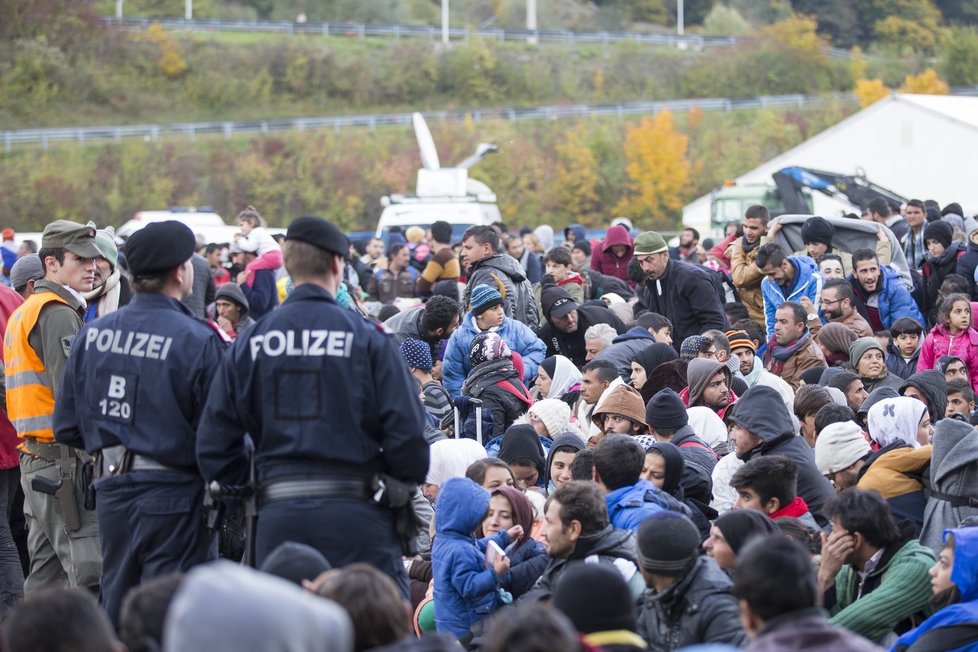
[(154, 132), (429, 32), (432, 33)]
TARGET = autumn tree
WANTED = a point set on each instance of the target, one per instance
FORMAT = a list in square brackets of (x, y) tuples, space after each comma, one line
[(798, 32), (577, 176), (870, 91), (658, 172), (927, 83)]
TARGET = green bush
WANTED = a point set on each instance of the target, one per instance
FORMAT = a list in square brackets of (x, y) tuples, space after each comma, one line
[(959, 61)]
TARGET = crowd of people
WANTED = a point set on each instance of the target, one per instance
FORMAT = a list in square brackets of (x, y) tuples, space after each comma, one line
[(511, 441)]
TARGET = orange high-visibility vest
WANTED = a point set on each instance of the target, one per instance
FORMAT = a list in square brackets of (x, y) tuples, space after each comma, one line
[(30, 401)]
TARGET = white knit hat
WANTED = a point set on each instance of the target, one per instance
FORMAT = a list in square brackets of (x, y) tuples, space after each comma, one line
[(554, 413), (839, 446)]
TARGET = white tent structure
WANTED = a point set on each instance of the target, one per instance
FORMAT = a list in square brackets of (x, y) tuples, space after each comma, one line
[(919, 146)]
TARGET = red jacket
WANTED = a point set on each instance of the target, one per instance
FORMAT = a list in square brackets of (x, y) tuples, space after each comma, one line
[(9, 458), (602, 260)]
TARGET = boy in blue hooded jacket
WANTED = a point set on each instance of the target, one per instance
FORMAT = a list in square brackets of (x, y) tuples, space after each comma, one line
[(466, 587)]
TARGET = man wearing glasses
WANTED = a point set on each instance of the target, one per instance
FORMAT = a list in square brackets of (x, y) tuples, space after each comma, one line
[(837, 306), (688, 295)]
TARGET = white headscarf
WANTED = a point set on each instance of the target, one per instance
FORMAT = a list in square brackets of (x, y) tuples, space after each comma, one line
[(707, 425), (545, 234), (896, 419), (566, 375), (451, 457)]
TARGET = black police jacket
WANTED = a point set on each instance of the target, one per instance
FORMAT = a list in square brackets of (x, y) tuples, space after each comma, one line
[(322, 391), (139, 377)]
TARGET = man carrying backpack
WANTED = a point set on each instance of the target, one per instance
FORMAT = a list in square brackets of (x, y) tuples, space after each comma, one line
[(485, 266)]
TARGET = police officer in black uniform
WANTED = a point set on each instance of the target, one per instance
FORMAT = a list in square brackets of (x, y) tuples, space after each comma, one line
[(133, 392), (329, 404)]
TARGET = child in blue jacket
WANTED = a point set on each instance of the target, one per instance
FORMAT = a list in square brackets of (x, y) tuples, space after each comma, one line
[(466, 587)]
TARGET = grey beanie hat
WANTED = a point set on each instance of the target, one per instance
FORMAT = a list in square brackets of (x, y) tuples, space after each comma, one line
[(232, 292), (27, 268)]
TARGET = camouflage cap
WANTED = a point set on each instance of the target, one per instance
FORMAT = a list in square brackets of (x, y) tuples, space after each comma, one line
[(79, 239)]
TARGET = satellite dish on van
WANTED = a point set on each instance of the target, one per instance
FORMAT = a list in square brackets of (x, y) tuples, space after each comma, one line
[(429, 155)]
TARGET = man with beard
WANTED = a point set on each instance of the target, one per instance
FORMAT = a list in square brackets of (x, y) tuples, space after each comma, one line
[(485, 266), (576, 530), (566, 323), (837, 307), (792, 348), (687, 252), (880, 296), (709, 386), (688, 295)]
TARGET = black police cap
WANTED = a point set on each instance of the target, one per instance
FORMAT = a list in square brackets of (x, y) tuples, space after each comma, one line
[(319, 233), (159, 247)]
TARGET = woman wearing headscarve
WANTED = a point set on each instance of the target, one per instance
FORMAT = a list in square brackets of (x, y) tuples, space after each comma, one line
[(671, 374), (527, 557), (644, 363), (902, 419), (689, 483), (545, 234), (557, 377), (835, 340), (732, 531), (522, 450), (449, 458), (709, 427), (954, 581)]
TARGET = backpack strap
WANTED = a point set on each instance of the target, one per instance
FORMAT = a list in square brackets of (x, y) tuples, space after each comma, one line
[(696, 444), (512, 389), (955, 500)]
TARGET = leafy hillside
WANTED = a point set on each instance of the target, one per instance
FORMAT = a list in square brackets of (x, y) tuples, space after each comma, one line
[(546, 172), (61, 65)]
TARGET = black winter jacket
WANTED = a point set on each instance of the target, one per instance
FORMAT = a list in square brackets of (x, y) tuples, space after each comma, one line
[(697, 609), (571, 345), (608, 545), (689, 296), (761, 411), (966, 265), (932, 274)]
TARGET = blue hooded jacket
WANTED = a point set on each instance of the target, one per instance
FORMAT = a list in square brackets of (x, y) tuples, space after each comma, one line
[(517, 335), (580, 233), (629, 506), (807, 283), (465, 587), (895, 300), (964, 575)]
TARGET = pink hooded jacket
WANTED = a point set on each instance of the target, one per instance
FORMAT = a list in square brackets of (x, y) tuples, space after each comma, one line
[(939, 342)]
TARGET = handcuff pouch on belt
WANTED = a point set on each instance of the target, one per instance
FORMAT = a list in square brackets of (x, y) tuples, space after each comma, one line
[(112, 461), (397, 496)]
